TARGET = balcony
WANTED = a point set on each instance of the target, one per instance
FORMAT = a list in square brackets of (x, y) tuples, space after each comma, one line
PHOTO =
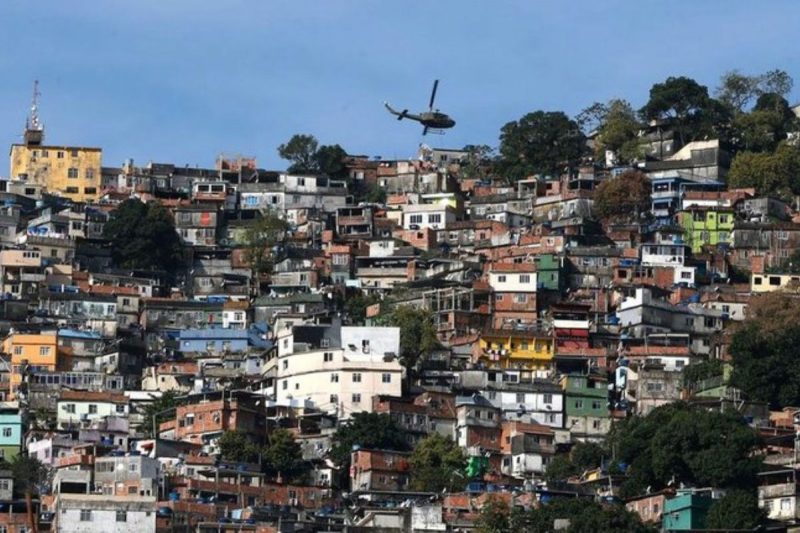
[(777, 491)]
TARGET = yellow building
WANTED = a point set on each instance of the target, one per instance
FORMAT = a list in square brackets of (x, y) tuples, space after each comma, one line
[(69, 171), (37, 351), (516, 349)]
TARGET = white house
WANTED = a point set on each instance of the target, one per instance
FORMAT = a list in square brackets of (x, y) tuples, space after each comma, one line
[(98, 513), (81, 408), (421, 216), (542, 403), (521, 279), (339, 369)]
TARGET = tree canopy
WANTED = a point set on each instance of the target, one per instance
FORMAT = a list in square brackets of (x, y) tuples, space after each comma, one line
[(143, 237), (418, 338), (775, 172), (367, 430), (679, 443), (582, 515), (764, 351), (542, 142), (259, 239), (238, 446), (583, 456), (436, 464), (738, 509), (625, 197), (307, 157), (283, 456), (737, 90), (161, 408)]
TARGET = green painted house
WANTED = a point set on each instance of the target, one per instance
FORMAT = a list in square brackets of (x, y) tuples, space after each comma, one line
[(586, 405), (687, 510), (706, 226), (548, 272)]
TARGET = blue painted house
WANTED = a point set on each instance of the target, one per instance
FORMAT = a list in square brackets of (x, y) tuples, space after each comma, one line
[(10, 433), (216, 340)]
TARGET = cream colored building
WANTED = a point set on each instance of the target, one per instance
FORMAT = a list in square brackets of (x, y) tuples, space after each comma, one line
[(69, 171)]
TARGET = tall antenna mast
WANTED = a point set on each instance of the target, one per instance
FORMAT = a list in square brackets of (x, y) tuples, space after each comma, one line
[(33, 122), (34, 129)]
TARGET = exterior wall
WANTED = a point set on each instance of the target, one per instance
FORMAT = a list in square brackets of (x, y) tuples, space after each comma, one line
[(508, 351), (513, 281), (39, 351), (773, 282), (707, 227), (10, 435), (427, 216), (89, 513), (71, 412), (53, 166), (336, 381)]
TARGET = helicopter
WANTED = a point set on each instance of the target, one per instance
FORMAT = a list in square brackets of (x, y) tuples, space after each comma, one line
[(431, 119)]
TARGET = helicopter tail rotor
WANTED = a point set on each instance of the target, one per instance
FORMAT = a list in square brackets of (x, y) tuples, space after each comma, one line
[(402, 115)]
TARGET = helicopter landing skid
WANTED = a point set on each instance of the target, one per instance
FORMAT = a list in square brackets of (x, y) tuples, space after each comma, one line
[(434, 131)]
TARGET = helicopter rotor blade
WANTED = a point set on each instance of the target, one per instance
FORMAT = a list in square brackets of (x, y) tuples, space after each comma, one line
[(433, 94), (425, 131)]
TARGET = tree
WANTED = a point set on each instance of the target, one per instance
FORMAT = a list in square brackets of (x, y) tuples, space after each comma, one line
[(737, 90), (259, 240), (238, 446), (697, 372), (284, 457), (356, 303), (764, 351), (738, 509), (478, 163), (418, 338), (161, 409), (625, 197), (580, 513), (771, 173), (792, 263), (583, 456), (560, 468), (680, 443), (541, 142), (331, 160), (143, 237), (30, 478), (619, 132), (367, 430), (375, 194), (765, 126), (436, 463), (308, 157), (301, 152), (686, 105)]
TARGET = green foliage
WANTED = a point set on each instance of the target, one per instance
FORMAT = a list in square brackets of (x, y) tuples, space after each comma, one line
[(367, 430), (625, 197), (770, 173), (300, 152), (703, 370), (583, 456), (738, 509), (764, 351), (792, 263), (737, 90), (308, 157), (765, 126), (436, 463), (687, 107), (417, 334), (143, 237), (356, 303), (583, 515), (238, 446), (30, 475), (619, 132), (541, 142), (375, 194), (260, 237), (162, 408), (284, 457), (479, 162), (687, 445)]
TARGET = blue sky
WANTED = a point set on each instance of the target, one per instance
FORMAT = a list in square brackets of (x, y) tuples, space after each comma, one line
[(183, 80)]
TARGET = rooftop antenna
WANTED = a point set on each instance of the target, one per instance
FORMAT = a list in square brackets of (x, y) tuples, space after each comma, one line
[(34, 129)]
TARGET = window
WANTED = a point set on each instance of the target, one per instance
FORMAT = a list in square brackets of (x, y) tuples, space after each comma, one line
[(415, 219), (72, 172), (73, 153), (285, 385), (90, 190), (89, 173), (60, 154), (327, 357), (356, 398), (120, 408), (434, 219), (17, 350), (357, 377), (501, 279), (520, 397), (365, 346), (72, 190), (723, 219), (578, 404), (44, 350), (334, 399), (524, 278), (547, 398), (520, 298), (783, 235), (7, 432), (757, 280), (386, 378), (70, 408), (86, 514), (285, 364), (92, 408), (334, 378), (325, 342), (122, 516), (655, 386), (686, 275), (596, 404)]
